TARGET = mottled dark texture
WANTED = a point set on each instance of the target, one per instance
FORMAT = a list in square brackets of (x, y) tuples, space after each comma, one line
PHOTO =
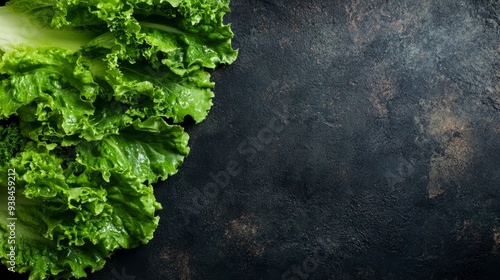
[(388, 166)]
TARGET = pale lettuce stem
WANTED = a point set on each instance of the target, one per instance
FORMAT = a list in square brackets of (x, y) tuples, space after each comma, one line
[(18, 29)]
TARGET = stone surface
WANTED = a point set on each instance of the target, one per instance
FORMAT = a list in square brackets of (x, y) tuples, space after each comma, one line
[(352, 139)]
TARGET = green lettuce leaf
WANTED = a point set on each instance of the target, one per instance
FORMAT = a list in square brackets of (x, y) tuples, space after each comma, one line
[(141, 151), (72, 217), (183, 35), (93, 95)]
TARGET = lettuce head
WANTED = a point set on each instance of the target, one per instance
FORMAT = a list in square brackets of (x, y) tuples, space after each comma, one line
[(93, 95)]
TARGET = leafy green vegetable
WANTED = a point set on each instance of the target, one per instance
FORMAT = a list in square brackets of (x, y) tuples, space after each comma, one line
[(11, 142), (92, 97)]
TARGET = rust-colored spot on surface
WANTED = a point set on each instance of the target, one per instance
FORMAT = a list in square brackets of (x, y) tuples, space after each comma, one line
[(362, 21), (368, 18), (284, 42), (451, 166), (174, 264), (383, 90), (241, 227), (496, 236), (496, 240), (244, 233), (341, 173), (463, 230), (445, 122)]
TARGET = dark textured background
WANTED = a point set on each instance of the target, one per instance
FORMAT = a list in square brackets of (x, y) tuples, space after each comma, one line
[(364, 133)]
